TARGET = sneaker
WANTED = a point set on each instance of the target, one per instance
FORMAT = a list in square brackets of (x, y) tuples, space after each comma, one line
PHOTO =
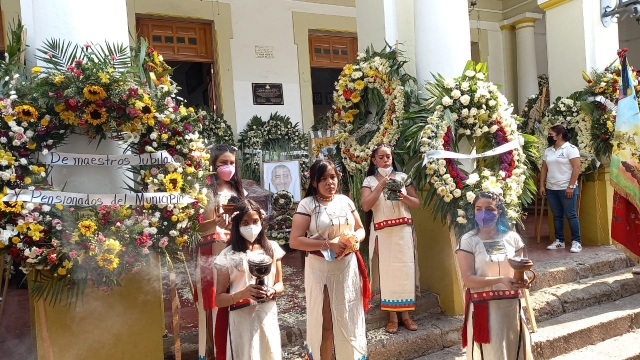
[(576, 247), (556, 245)]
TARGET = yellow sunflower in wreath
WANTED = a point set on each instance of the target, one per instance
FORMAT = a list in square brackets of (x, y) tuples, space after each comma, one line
[(27, 113), (173, 182), (94, 93), (96, 115)]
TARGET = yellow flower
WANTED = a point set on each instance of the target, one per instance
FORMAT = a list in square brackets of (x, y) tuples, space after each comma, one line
[(359, 85), (348, 69), (164, 136), (44, 122), (181, 240), (166, 121), (1, 245), (94, 93), (87, 227), (35, 231), (27, 113), (108, 261), (355, 97), (36, 70), (348, 117), (15, 240), (22, 228), (191, 110), (9, 118), (173, 182), (60, 107), (58, 79), (62, 271), (31, 145), (104, 78), (112, 245), (68, 118), (59, 207), (27, 180), (174, 218), (96, 115)]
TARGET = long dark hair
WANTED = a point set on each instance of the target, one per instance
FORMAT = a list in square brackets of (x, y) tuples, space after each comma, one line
[(236, 179), (316, 172), (502, 223), (236, 241), (371, 171), (560, 130)]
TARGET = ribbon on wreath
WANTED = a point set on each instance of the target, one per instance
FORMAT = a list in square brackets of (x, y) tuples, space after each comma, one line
[(443, 154)]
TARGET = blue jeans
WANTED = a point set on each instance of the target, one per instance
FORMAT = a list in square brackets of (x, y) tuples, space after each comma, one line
[(561, 207)]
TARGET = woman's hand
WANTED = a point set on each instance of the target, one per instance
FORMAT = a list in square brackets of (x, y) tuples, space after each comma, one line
[(337, 246), (569, 193), (510, 283), (271, 292), (543, 191), (250, 292)]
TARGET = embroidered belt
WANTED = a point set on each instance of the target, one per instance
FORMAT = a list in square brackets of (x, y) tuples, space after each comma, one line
[(392, 222), (246, 302), (494, 295)]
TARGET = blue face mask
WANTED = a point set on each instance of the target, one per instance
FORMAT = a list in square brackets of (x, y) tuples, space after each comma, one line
[(486, 219)]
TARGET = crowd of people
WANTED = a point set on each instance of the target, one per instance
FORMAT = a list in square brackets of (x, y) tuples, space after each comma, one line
[(240, 318)]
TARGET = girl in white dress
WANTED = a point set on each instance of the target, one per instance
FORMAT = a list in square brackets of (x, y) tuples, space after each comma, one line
[(336, 287), (253, 331), (494, 327), (392, 245)]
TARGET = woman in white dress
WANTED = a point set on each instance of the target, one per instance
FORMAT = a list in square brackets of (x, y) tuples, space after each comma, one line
[(494, 327), (336, 287), (392, 249), (252, 327)]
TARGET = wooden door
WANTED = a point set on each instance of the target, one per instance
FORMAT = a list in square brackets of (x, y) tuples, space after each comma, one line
[(326, 51), (178, 40)]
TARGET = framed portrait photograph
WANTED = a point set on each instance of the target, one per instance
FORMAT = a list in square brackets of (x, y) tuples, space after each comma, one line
[(317, 98), (282, 175)]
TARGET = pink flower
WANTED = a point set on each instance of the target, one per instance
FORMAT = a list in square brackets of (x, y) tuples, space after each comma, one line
[(54, 243), (112, 57), (56, 222), (70, 68), (38, 251), (77, 73), (163, 242), (73, 254), (143, 240), (78, 62), (87, 46), (101, 237), (49, 54), (154, 171), (103, 208), (145, 251)]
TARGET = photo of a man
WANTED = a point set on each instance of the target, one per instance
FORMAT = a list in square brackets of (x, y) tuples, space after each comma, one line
[(282, 176)]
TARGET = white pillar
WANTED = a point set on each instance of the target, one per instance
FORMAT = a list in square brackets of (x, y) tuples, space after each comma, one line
[(527, 65), (443, 40), (576, 41), (510, 86), (75, 21), (377, 23)]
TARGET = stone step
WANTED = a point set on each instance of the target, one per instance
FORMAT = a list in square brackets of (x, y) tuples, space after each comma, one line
[(589, 326), (435, 332), (293, 325), (579, 266), (565, 298), (624, 347)]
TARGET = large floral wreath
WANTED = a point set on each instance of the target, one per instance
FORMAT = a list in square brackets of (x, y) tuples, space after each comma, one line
[(570, 114), (470, 108), (89, 88)]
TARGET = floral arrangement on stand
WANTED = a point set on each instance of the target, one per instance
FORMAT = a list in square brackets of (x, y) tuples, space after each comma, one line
[(601, 96), (570, 114), (278, 139), (279, 227), (89, 89), (215, 129), (370, 99), (470, 109)]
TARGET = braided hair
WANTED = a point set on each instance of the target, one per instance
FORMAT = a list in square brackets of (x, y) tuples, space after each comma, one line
[(502, 223)]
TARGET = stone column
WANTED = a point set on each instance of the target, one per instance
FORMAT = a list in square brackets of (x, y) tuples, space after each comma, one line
[(527, 65), (510, 86), (576, 41), (377, 23), (74, 21), (443, 40)]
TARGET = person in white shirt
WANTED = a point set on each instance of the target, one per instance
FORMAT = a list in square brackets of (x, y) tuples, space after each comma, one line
[(559, 183)]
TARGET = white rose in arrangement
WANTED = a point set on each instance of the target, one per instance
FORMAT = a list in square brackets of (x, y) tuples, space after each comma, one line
[(446, 101), (473, 112), (473, 179), (493, 129), (492, 103), (455, 94), (442, 191), (457, 193), (449, 83), (470, 73), (464, 112), (448, 197), (461, 213), (465, 99), (461, 220), (465, 86), (480, 76)]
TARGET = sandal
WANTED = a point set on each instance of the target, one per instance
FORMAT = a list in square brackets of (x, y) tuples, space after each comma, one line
[(410, 324), (392, 327)]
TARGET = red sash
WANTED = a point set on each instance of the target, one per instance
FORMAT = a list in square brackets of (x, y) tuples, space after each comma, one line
[(206, 269), (480, 302)]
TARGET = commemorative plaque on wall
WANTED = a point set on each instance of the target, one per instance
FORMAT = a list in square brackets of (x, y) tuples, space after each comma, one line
[(267, 94)]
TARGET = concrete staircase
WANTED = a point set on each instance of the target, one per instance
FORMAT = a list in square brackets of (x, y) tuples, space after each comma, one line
[(587, 307)]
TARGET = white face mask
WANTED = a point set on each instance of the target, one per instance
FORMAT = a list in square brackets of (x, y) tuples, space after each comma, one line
[(250, 232), (385, 171)]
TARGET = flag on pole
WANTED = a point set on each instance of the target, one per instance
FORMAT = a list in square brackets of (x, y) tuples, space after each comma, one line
[(625, 164)]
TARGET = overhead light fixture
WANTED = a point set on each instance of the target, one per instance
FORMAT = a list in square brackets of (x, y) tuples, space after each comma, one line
[(472, 5), (613, 9)]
